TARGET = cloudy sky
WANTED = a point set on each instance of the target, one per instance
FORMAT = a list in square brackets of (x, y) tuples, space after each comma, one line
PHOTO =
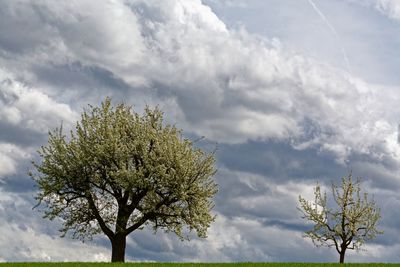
[(291, 91)]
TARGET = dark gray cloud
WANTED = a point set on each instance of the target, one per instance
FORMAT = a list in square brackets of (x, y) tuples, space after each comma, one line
[(19, 27), (76, 75), (20, 135), (280, 161)]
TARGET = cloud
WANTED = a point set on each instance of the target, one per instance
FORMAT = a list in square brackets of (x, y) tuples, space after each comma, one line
[(389, 8), (26, 114), (242, 225), (228, 3), (10, 154), (28, 245), (28, 108), (227, 236), (180, 53), (31, 240), (274, 95), (282, 120)]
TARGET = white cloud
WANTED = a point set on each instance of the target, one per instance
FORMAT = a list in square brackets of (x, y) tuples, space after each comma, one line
[(25, 114), (374, 253), (22, 237), (255, 241), (105, 34), (225, 84), (29, 245), (232, 87), (389, 7), (25, 236), (30, 108), (10, 155)]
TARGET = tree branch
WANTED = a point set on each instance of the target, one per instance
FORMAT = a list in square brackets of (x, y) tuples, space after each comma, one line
[(99, 219), (150, 215), (136, 200)]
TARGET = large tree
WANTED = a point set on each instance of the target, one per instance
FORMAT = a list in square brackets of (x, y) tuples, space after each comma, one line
[(348, 224), (119, 171)]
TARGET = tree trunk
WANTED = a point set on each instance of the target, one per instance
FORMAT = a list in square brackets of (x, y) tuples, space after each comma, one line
[(118, 244), (342, 253)]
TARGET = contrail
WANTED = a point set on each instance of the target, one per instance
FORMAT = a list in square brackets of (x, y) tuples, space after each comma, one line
[(325, 19)]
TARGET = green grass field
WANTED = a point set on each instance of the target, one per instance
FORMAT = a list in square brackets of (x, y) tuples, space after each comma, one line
[(83, 264)]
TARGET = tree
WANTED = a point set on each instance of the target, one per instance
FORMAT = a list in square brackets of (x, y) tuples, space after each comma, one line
[(349, 225), (119, 171)]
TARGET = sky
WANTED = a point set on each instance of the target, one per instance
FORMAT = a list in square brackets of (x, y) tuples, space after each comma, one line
[(292, 92)]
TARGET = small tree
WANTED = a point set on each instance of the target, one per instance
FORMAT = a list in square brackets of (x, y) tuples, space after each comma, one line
[(347, 226), (120, 171)]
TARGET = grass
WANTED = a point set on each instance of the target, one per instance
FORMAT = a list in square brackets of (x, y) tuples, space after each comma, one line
[(132, 264)]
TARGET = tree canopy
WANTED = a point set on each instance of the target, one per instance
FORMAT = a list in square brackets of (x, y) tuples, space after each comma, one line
[(119, 171), (349, 224)]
